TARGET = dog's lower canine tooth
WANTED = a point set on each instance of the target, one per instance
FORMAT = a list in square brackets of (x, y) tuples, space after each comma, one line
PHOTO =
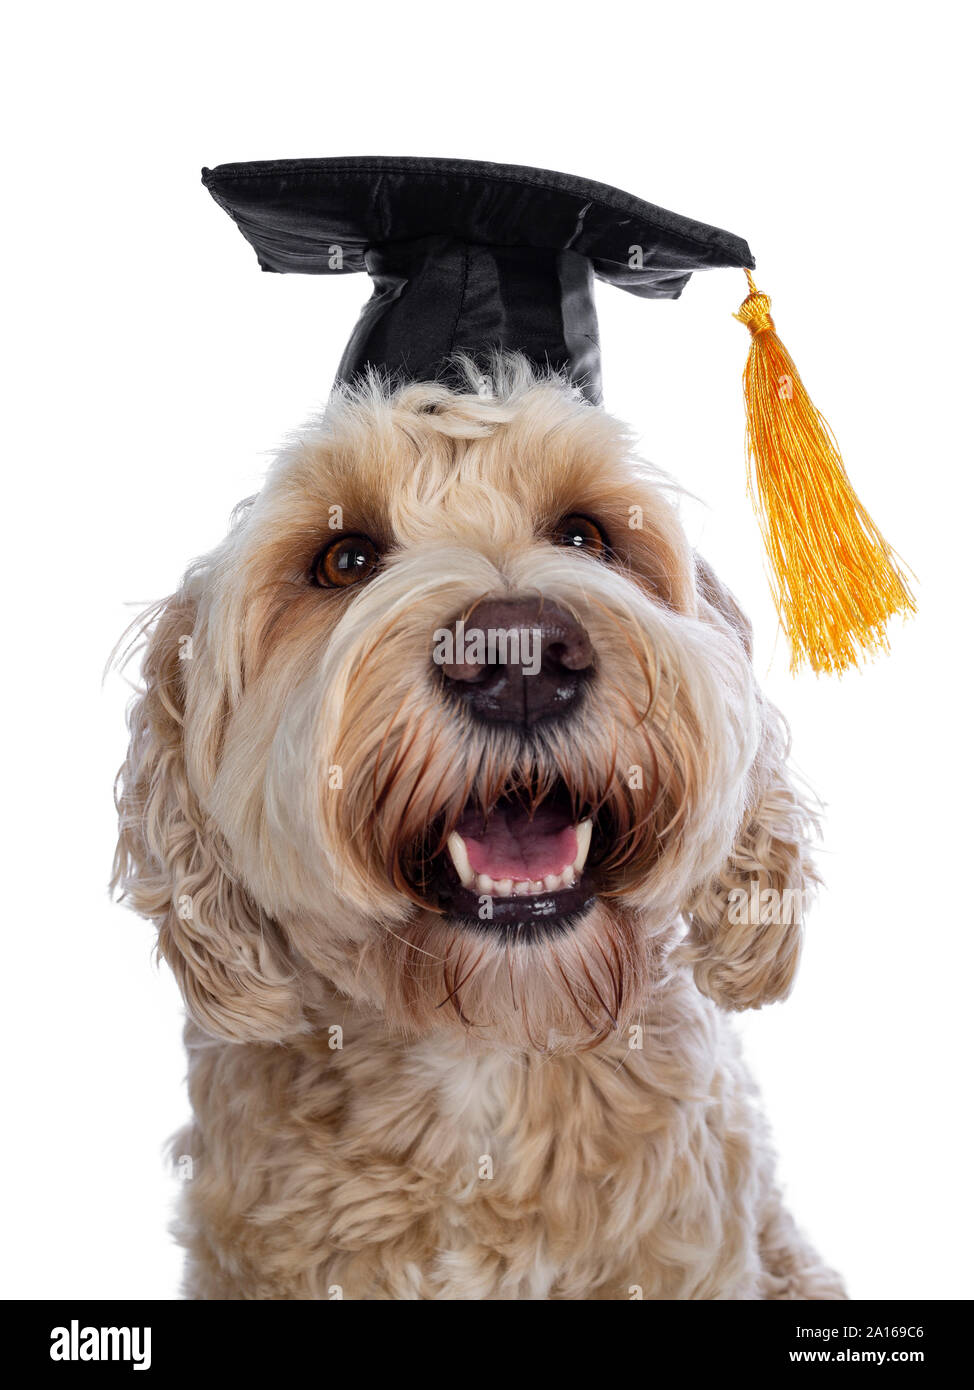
[(461, 860), (583, 837)]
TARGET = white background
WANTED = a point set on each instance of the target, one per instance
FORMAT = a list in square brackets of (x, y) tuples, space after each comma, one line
[(151, 370)]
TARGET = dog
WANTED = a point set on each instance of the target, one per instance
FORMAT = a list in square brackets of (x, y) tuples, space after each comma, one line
[(459, 938)]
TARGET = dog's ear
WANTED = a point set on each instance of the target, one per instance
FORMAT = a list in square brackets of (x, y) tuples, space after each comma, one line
[(745, 927), (717, 596), (172, 867)]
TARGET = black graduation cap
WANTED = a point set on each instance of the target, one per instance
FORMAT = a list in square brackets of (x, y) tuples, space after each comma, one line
[(466, 256)]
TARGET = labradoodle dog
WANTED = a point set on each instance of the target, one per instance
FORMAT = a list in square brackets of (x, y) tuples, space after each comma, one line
[(451, 793)]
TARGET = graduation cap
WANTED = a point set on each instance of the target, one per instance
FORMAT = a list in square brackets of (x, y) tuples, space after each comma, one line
[(472, 257)]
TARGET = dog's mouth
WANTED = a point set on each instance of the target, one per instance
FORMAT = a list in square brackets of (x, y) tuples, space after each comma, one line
[(517, 865)]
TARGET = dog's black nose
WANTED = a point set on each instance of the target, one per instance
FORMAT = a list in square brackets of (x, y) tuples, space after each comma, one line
[(516, 660)]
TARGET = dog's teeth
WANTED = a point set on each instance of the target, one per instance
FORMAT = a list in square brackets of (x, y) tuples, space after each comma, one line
[(461, 860), (583, 837), (522, 887)]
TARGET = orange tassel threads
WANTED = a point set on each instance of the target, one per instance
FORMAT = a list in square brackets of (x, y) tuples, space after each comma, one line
[(835, 580)]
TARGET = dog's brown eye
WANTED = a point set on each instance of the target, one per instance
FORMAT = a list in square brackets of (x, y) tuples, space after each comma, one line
[(344, 561), (582, 533)]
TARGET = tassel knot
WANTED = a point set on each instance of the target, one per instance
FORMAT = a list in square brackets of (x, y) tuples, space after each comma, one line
[(755, 313)]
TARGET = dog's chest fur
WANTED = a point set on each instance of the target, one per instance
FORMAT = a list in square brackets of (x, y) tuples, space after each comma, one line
[(386, 1169)]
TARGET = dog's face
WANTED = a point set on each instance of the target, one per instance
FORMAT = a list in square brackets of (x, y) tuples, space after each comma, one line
[(453, 722)]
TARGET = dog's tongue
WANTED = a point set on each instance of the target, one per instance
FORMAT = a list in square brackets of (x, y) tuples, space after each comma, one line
[(512, 844)]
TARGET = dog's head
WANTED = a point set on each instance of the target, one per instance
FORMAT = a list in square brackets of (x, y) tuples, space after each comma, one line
[(454, 723)]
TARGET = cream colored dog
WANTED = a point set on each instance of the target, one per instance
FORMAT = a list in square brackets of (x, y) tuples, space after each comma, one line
[(456, 935)]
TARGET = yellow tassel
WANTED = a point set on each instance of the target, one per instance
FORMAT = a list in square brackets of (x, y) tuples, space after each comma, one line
[(835, 579)]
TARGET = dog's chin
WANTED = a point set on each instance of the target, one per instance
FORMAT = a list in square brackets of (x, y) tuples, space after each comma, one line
[(526, 936)]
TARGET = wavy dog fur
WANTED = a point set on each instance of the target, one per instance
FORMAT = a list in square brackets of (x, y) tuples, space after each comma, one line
[(389, 1103)]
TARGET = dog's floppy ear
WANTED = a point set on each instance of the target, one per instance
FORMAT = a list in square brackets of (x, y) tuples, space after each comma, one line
[(172, 867), (745, 930), (712, 592)]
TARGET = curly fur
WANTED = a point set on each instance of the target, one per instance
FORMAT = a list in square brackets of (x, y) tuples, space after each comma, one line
[(563, 1118)]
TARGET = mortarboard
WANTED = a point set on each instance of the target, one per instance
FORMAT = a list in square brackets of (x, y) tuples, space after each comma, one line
[(470, 257)]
